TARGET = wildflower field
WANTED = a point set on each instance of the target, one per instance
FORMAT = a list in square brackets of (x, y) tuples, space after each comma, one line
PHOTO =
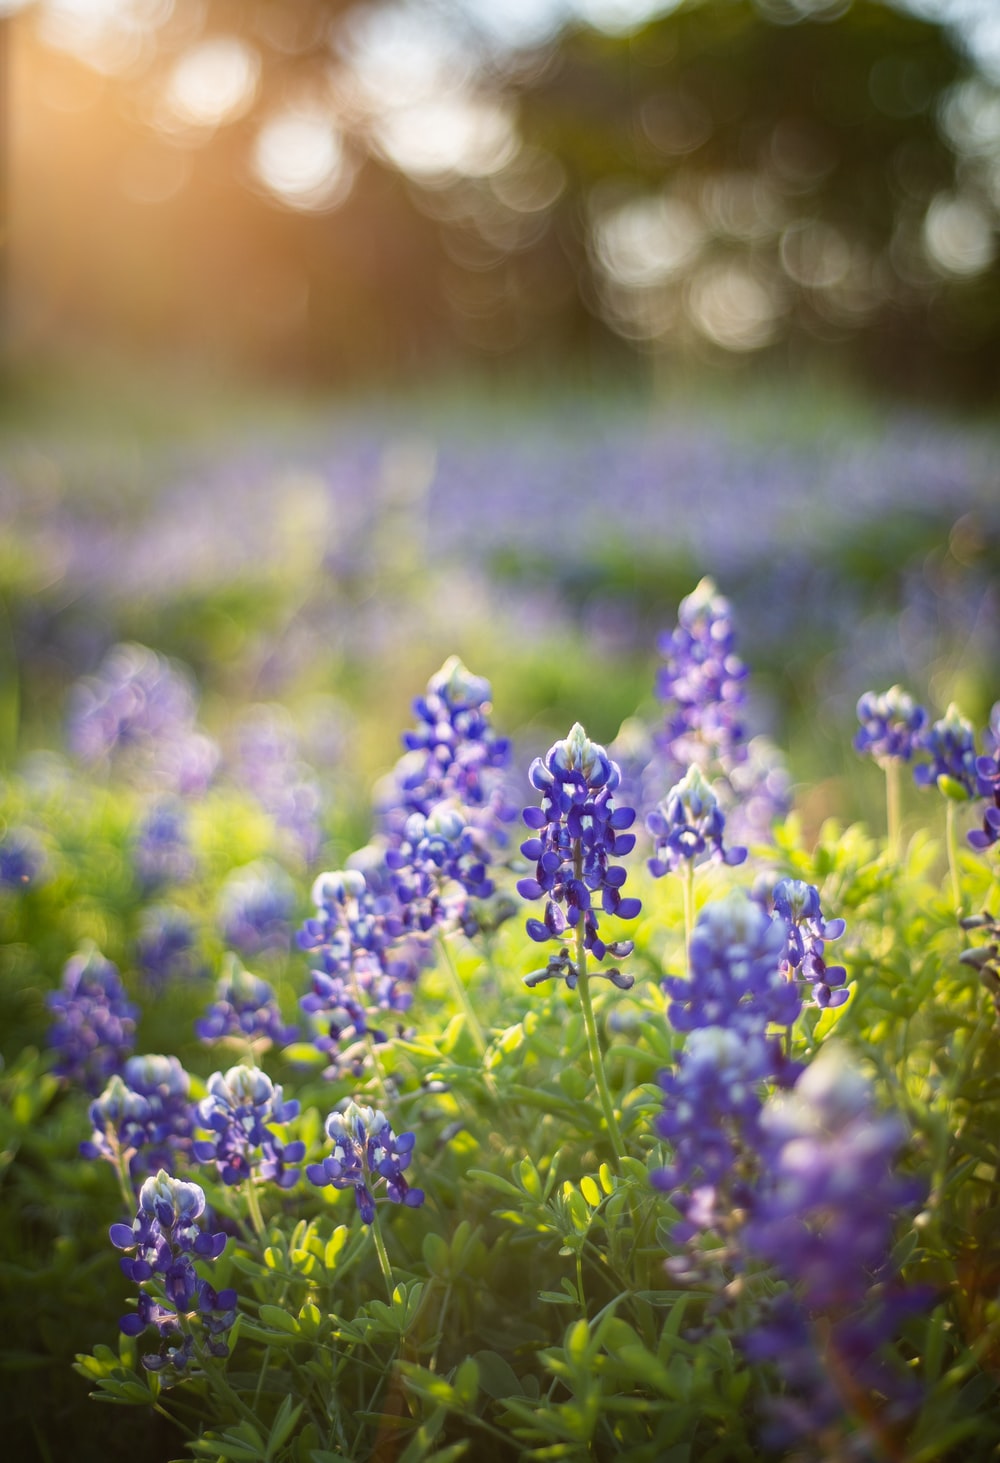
[(500, 944)]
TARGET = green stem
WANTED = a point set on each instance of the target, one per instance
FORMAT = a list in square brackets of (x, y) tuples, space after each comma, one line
[(951, 837), (253, 1208), (383, 1256), (594, 1044), (458, 984), (892, 819)]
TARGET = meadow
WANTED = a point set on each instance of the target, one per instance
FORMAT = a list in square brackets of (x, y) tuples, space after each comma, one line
[(498, 930)]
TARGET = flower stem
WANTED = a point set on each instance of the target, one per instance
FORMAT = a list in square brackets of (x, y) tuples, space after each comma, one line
[(594, 1044), (458, 984), (253, 1208), (951, 838), (891, 767), (383, 1255)]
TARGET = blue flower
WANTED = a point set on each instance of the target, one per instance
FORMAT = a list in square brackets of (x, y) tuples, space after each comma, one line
[(166, 948), (144, 1116), (162, 852), (688, 827), (891, 725), (237, 1111), (453, 754), (161, 1246), (797, 905), (735, 977), (951, 745), (245, 1010), (140, 708), (366, 1153), (988, 786), (580, 830), (256, 905), (438, 864), (93, 1027), (22, 860), (370, 961), (702, 683)]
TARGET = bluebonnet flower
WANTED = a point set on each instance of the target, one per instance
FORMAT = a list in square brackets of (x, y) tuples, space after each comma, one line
[(951, 745), (366, 1153), (93, 1026), (797, 905), (256, 904), (267, 764), (140, 708), (688, 826), (161, 1246), (711, 1112), (369, 961), (240, 1105), (988, 786), (162, 852), (823, 1217), (22, 860), (735, 978), (891, 725), (439, 862), (453, 753), (245, 1011), (143, 1116), (580, 830), (702, 683), (166, 947)]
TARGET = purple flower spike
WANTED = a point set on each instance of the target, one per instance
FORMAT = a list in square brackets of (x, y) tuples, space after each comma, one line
[(796, 905), (93, 1026), (891, 724), (161, 1246), (579, 831), (951, 746), (237, 1111), (688, 827), (366, 1153)]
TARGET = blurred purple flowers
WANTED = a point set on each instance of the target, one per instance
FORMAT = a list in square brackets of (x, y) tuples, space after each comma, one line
[(93, 1025), (891, 725)]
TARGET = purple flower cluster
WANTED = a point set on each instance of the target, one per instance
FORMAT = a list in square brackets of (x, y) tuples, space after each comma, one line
[(703, 686), (453, 754), (892, 725), (162, 852), (988, 782), (439, 862), (93, 1026), (22, 860), (139, 709), (268, 765), (245, 1011), (166, 946), (702, 683), (256, 905), (369, 962), (143, 1117), (822, 1216), (366, 1153), (161, 1246), (240, 1105), (713, 1098), (687, 827), (797, 905), (950, 743), (735, 979), (579, 830)]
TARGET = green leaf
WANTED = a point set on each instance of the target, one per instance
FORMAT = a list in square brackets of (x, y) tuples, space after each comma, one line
[(279, 1318), (590, 1191), (497, 1377), (466, 1382), (285, 1419)]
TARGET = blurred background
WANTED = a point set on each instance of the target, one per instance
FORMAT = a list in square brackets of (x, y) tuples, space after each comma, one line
[(342, 334)]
